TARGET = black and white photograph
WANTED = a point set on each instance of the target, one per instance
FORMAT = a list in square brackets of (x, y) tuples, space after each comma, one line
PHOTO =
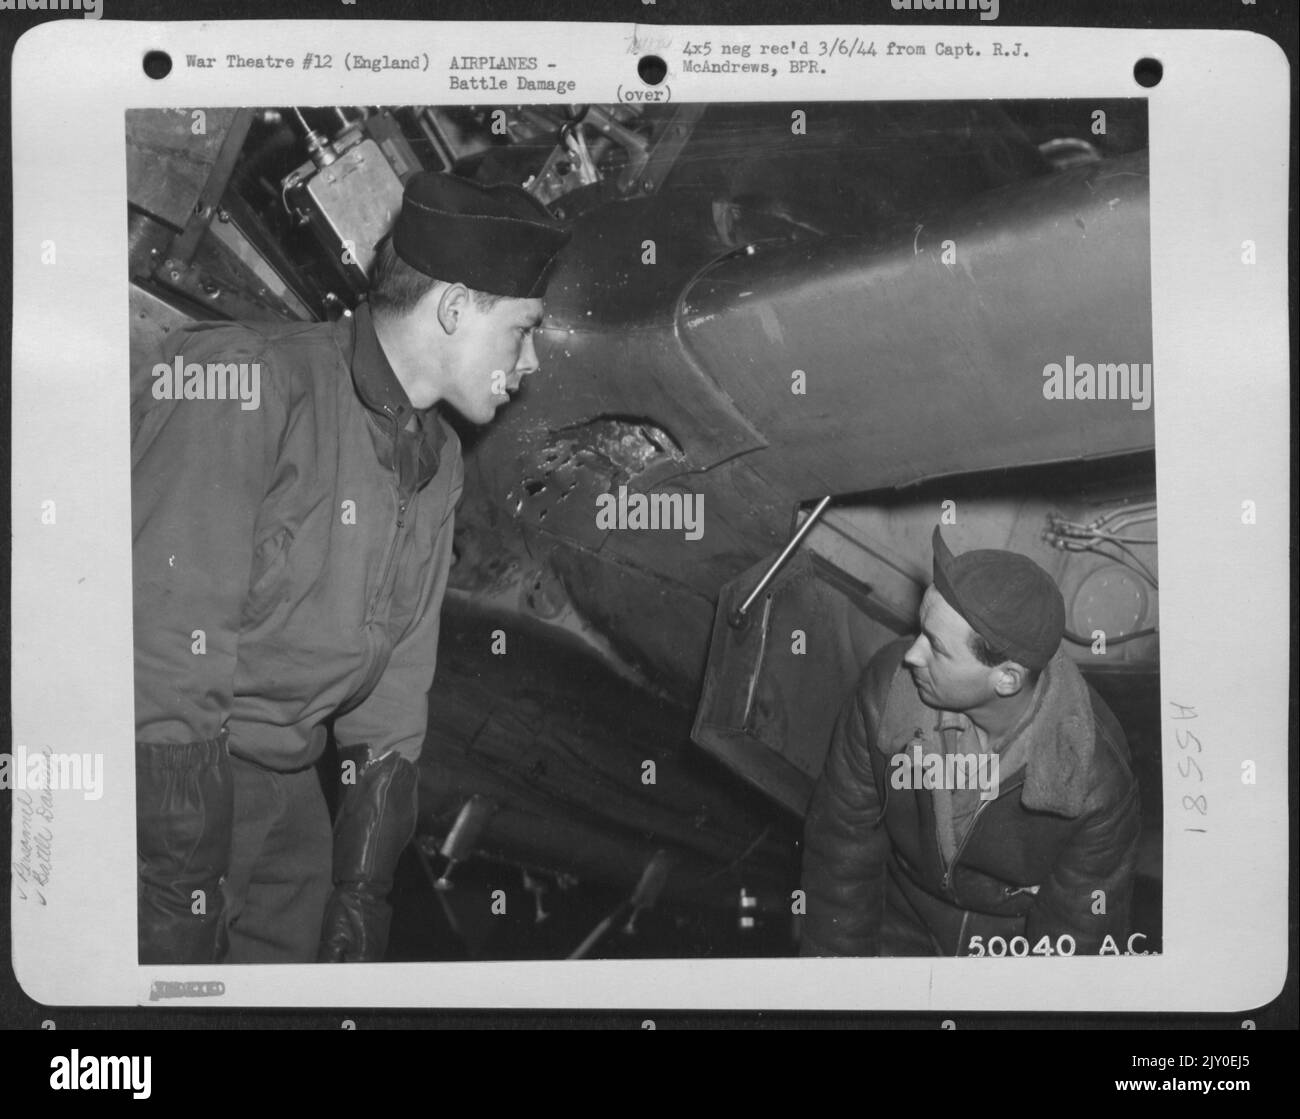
[(627, 531), (649, 524)]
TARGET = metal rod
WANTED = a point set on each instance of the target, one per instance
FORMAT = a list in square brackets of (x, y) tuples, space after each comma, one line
[(758, 664), (738, 615)]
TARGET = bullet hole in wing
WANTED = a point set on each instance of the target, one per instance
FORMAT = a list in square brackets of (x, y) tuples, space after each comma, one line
[(544, 594), (579, 462), (652, 440), (627, 445)]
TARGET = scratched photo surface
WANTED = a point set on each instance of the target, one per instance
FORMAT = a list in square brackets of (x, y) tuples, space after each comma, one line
[(652, 729)]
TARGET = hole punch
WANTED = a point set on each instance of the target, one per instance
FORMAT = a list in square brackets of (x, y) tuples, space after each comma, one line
[(651, 69), (157, 64), (1147, 72)]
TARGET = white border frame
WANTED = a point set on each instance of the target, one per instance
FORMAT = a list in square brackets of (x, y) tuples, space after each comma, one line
[(1219, 150)]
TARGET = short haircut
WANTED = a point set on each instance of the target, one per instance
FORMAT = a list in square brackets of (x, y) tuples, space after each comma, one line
[(987, 655), (396, 288)]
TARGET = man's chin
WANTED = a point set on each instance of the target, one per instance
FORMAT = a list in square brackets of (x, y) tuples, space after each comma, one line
[(924, 696), (481, 417)]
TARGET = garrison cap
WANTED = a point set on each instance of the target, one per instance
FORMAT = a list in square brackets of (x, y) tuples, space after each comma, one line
[(497, 239), (1006, 598)]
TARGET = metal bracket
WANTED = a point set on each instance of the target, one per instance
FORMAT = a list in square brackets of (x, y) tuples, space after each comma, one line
[(647, 174), (186, 243)]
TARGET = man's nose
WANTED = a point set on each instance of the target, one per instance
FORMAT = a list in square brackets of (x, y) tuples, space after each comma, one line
[(913, 657), (527, 362)]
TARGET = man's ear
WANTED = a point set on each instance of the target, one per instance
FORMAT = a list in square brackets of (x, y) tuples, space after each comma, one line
[(1011, 679), (452, 305)]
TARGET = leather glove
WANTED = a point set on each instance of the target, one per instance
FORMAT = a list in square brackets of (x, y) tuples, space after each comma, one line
[(376, 819)]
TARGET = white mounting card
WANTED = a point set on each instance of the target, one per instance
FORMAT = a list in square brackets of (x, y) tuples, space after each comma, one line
[(1218, 142)]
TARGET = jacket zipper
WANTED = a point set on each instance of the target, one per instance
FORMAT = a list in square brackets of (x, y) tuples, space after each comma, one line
[(391, 554), (956, 855), (377, 666), (390, 557)]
